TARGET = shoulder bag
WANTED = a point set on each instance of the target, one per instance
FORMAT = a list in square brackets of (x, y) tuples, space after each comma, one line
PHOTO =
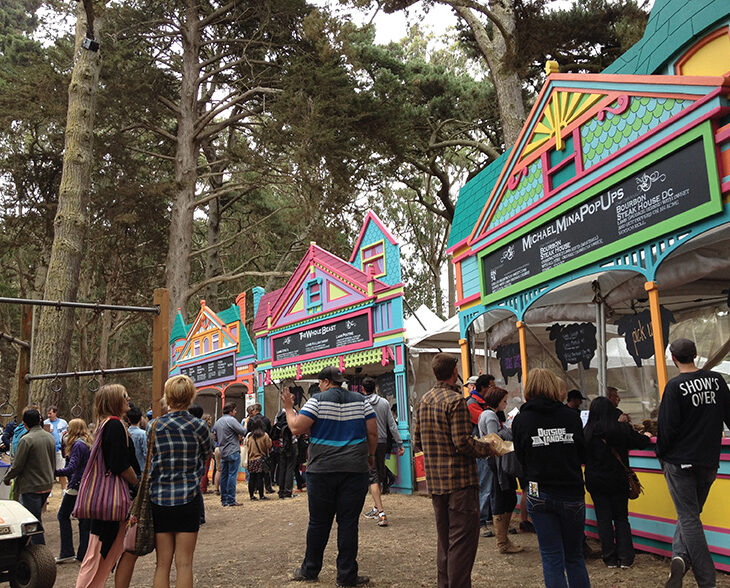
[(244, 452), (635, 487), (103, 496), (139, 536)]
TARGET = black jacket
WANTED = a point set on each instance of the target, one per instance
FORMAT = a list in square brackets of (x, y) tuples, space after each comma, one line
[(604, 473), (548, 438), (693, 408)]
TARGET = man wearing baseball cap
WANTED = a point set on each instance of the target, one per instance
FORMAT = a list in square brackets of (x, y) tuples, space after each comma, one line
[(694, 405), (342, 444)]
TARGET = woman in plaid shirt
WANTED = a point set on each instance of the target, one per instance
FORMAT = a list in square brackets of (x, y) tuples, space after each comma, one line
[(183, 444)]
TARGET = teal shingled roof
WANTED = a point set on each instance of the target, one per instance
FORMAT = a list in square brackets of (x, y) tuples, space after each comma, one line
[(179, 328), (672, 25), (472, 198), (231, 314)]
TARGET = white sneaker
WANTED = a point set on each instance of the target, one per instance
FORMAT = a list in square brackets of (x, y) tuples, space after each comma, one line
[(372, 514)]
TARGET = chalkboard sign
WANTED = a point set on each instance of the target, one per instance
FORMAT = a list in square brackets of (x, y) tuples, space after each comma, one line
[(660, 191), (574, 343), (386, 383), (638, 332), (345, 334), (510, 361), (217, 370)]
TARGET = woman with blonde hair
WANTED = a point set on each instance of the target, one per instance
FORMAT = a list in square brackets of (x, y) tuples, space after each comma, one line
[(106, 544), (181, 447), (548, 438), (76, 448)]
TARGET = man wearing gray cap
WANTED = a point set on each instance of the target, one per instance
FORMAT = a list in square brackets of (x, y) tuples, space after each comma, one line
[(342, 444), (694, 405)]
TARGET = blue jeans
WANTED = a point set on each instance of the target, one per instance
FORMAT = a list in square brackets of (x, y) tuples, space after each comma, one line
[(559, 523), (689, 488), (340, 494), (64, 525), (229, 477), (486, 485), (34, 502)]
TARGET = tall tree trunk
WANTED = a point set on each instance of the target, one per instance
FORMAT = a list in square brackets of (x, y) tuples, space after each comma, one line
[(497, 53), (213, 265), (177, 272), (52, 346)]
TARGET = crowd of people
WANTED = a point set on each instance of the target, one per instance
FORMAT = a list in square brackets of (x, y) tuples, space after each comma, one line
[(341, 437), (551, 449)]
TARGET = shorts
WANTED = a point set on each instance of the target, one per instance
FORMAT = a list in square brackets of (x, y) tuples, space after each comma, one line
[(377, 475), (177, 519), (60, 460)]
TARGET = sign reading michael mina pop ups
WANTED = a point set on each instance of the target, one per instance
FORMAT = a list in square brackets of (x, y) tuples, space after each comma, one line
[(645, 204)]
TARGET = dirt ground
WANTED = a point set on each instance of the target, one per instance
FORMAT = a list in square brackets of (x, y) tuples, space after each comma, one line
[(260, 543)]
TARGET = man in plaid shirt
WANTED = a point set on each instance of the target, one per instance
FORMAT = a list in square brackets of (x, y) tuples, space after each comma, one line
[(443, 431)]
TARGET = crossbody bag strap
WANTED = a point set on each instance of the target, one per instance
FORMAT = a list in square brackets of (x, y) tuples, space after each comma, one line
[(257, 445), (150, 445)]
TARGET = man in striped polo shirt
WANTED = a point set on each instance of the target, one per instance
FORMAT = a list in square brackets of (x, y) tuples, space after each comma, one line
[(342, 443)]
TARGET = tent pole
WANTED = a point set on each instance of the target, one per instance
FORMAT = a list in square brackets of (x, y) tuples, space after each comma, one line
[(601, 344), (523, 350), (656, 323), (486, 351)]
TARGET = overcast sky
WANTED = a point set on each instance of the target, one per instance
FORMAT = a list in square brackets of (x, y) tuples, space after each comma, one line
[(393, 27)]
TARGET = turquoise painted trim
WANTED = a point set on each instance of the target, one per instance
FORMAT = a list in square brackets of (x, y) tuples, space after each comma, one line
[(673, 26), (598, 169), (677, 222)]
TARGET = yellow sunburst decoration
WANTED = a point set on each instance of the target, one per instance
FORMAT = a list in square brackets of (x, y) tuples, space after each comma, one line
[(562, 109)]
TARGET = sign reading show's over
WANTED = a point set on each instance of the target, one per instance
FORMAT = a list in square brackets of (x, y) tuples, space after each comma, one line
[(660, 191), (345, 334)]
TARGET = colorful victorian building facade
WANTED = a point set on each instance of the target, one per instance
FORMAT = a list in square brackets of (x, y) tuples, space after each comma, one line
[(216, 352), (343, 313), (615, 198)]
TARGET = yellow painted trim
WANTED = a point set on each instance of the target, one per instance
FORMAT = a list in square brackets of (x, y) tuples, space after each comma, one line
[(334, 292), (364, 260), (464, 344), (391, 338), (523, 350), (656, 324), (562, 109), (470, 304)]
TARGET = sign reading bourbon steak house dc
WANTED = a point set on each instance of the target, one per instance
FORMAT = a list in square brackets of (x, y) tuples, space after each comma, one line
[(664, 189), (352, 332)]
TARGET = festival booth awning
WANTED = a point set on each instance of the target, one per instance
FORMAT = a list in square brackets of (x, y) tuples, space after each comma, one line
[(347, 314), (605, 230)]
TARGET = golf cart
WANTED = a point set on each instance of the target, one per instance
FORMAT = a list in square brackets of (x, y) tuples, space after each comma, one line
[(22, 564)]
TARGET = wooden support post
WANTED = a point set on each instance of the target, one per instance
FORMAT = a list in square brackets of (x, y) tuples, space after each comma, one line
[(523, 350), (656, 326), (26, 334), (160, 348), (464, 344)]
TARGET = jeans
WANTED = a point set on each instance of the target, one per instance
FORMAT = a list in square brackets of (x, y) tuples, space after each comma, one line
[(486, 485), (559, 523), (689, 488), (340, 494), (612, 517), (64, 525), (229, 477), (34, 502)]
